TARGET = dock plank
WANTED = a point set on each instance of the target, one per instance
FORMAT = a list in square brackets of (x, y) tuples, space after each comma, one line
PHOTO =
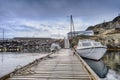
[(59, 66)]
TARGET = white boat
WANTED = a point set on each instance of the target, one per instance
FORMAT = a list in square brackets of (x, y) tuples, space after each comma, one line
[(91, 49), (55, 47)]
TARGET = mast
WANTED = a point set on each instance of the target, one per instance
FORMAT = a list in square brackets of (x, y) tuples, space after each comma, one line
[(3, 34), (3, 48), (72, 29)]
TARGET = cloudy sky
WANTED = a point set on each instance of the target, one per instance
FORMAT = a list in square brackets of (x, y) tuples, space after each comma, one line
[(51, 18)]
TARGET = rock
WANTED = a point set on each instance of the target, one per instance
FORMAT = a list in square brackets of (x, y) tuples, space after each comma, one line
[(100, 28)]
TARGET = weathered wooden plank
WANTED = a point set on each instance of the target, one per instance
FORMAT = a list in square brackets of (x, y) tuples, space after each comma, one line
[(53, 77), (49, 79), (61, 66)]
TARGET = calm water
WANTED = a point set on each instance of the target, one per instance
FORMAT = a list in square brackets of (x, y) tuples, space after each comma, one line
[(9, 61), (112, 60)]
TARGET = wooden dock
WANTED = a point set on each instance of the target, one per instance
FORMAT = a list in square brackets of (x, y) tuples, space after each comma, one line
[(62, 65)]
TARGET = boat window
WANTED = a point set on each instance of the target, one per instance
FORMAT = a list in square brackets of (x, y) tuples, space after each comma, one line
[(86, 44)]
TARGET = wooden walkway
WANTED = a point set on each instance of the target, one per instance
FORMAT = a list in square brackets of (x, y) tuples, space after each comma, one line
[(62, 65)]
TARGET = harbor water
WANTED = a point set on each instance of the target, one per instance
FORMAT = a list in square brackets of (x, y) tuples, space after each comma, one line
[(112, 60), (9, 61)]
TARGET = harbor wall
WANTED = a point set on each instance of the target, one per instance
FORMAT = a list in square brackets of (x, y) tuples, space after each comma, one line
[(27, 45)]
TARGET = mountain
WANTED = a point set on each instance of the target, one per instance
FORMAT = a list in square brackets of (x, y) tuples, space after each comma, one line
[(100, 28)]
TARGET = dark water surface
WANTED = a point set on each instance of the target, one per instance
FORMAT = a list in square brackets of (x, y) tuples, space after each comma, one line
[(112, 60)]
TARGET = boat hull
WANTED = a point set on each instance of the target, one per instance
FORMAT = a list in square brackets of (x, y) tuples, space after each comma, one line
[(94, 53)]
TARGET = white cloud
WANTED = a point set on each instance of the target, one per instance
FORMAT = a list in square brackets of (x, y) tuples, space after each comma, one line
[(51, 28), (48, 18)]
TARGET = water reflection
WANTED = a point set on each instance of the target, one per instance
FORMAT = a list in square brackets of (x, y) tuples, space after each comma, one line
[(98, 67), (112, 59)]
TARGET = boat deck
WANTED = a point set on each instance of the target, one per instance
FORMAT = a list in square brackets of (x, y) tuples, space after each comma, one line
[(62, 65)]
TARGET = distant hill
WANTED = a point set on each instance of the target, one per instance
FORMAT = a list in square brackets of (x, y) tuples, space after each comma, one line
[(99, 28)]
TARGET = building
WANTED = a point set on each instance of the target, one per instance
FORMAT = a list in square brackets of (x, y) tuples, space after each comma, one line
[(78, 33)]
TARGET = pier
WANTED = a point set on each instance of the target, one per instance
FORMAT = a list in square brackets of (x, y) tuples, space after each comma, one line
[(62, 65)]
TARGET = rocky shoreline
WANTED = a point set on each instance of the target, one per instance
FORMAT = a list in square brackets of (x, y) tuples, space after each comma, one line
[(108, 33)]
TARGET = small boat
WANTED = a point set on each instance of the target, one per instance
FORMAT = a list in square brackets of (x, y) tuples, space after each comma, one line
[(98, 67), (91, 49), (55, 47)]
